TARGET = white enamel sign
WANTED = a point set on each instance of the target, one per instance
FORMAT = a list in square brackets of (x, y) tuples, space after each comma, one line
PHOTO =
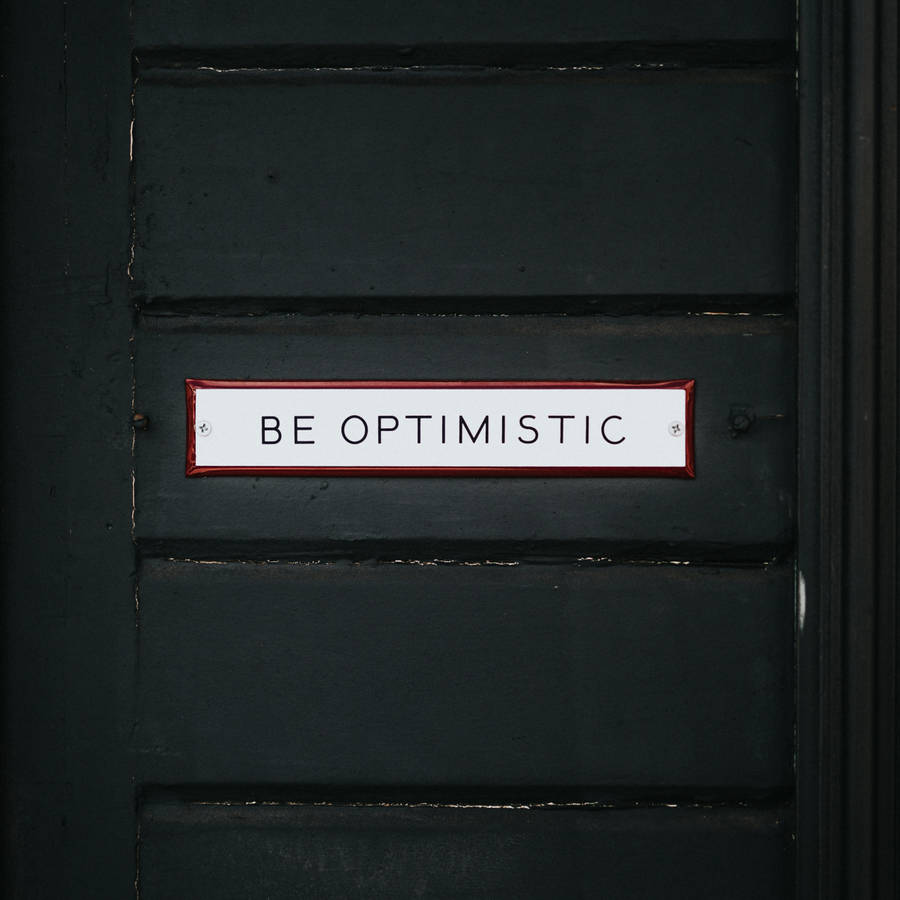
[(439, 428)]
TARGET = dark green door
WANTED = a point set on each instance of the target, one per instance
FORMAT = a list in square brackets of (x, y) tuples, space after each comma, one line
[(251, 686)]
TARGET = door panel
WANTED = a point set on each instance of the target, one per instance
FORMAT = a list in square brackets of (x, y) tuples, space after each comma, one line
[(211, 850), (451, 674), (740, 506), (480, 184)]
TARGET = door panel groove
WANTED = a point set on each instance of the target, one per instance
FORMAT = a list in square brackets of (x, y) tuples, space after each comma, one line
[(588, 797), (221, 551), (388, 560), (551, 305), (613, 54)]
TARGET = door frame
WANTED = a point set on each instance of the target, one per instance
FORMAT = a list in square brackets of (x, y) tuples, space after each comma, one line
[(847, 697)]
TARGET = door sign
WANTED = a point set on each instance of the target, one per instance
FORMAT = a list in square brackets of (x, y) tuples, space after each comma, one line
[(422, 428)]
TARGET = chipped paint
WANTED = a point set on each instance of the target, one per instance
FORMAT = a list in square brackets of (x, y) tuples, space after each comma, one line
[(397, 804), (132, 242)]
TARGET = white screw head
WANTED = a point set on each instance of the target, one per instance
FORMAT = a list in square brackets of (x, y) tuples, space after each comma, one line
[(676, 429), (204, 429)]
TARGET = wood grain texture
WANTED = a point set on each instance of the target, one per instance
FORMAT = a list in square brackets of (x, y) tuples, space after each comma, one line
[(205, 23), (413, 674), (342, 851), (739, 506), (440, 183)]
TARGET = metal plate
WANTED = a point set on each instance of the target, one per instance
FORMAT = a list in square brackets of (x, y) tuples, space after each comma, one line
[(536, 428)]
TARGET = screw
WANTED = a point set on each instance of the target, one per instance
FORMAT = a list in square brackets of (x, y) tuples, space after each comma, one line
[(676, 428), (140, 422), (204, 429), (741, 419)]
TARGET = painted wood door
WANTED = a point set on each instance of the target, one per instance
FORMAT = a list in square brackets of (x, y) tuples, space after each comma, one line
[(377, 687)]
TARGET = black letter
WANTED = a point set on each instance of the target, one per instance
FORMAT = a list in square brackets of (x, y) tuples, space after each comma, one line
[(473, 437), (275, 428), (562, 424), (381, 427), (298, 428), (603, 430), (344, 432), (418, 426), (529, 427)]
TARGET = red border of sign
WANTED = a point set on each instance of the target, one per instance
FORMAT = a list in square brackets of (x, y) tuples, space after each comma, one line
[(687, 471)]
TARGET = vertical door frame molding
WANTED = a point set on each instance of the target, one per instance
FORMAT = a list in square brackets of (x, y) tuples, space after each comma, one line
[(69, 610), (848, 456)]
